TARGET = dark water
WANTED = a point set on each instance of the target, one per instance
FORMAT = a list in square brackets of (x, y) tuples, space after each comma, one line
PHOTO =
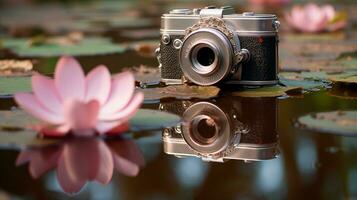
[(309, 165), (274, 160)]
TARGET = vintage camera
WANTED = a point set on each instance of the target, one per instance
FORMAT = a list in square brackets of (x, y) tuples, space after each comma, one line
[(215, 45), (223, 129)]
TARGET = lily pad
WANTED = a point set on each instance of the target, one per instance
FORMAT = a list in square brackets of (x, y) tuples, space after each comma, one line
[(84, 47), (180, 92), (269, 91), (145, 75), (345, 78), (335, 122), (145, 119), (15, 67), (14, 131), (149, 120), (348, 59), (11, 85), (309, 81), (23, 139), (305, 84), (316, 76)]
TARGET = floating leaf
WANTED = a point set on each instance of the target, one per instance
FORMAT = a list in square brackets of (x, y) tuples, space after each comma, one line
[(268, 91), (314, 53), (146, 119), (86, 46), (335, 122), (346, 77), (316, 76), (23, 139), (348, 59), (305, 84), (15, 131), (11, 85), (145, 75), (16, 119), (180, 92), (306, 80), (15, 67)]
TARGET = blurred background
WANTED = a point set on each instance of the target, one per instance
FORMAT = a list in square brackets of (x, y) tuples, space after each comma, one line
[(311, 165)]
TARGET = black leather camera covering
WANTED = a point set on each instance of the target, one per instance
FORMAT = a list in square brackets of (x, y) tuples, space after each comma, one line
[(262, 65), (170, 60)]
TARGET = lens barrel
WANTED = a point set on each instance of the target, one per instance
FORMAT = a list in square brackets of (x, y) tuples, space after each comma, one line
[(206, 56)]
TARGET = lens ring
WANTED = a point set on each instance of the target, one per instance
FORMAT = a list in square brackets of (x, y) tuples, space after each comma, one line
[(213, 143), (204, 58), (204, 129), (219, 44)]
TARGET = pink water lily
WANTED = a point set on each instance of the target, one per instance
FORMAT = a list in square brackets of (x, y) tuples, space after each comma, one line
[(313, 18), (79, 104), (78, 161)]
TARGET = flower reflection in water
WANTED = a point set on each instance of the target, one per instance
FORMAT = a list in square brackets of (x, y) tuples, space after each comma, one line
[(78, 160)]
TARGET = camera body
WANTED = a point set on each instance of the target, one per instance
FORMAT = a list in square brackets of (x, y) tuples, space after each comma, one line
[(216, 45), (224, 129)]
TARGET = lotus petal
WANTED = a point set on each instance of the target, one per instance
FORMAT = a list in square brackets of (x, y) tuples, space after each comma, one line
[(70, 79), (80, 116), (123, 86), (33, 106), (46, 92), (127, 112), (98, 84)]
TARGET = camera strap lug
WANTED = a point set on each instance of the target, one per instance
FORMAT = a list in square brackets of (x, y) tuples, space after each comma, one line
[(158, 57), (243, 55)]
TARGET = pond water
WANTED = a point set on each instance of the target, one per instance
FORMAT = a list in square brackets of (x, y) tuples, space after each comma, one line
[(288, 163), (266, 155)]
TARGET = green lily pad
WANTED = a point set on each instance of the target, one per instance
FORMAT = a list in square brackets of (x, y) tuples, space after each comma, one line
[(312, 80), (84, 47), (14, 131), (316, 76), (144, 119), (348, 60), (345, 78), (23, 139), (149, 120), (180, 92), (307, 80), (305, 84), (11, 85), (11, 67), (269, 91), (335, 122)]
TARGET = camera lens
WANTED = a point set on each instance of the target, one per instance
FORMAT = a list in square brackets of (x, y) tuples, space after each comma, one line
[(207, 128), (205, 56), (204, 129)]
